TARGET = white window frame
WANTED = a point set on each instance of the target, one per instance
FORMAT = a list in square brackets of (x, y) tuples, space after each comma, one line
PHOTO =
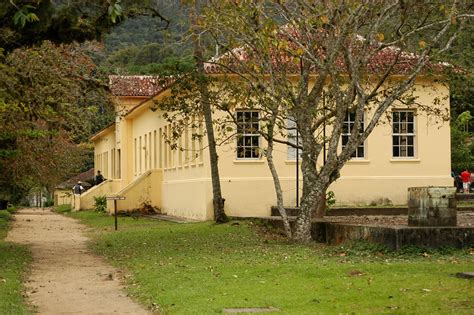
[(349, 121), (402, 132), (245, 134)]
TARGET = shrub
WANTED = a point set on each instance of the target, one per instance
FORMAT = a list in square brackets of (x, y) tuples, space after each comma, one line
[(100, 204), (5, 215), (12, 209), (330, 198), (48, 203)]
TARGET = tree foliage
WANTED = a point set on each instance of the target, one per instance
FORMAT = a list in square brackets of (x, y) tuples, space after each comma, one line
[(51, 99), (462, 155), (29, 22), (51, 95)]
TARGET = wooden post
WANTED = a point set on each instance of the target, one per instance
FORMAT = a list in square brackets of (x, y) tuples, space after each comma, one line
[(115, 198), (115, 213)]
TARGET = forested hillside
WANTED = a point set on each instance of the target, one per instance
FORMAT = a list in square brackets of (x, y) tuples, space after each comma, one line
[(146, 45)]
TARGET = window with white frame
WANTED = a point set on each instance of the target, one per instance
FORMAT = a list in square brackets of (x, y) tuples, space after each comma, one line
[(403, 133), (347, 127), (248, 138), (292, 132)]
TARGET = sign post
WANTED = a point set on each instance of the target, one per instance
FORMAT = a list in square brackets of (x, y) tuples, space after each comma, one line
[(115, 198)]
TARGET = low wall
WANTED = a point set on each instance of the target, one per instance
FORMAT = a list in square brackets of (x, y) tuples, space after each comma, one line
[(394, 237), (146, 189), (62, 197), (107, 187)]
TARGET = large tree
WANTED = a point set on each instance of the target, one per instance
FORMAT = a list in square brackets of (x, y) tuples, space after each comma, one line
[(190, 106), (51, 95), (51, 99), (315, 62)]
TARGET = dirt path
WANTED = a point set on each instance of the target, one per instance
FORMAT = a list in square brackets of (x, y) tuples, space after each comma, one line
[(65, 277)]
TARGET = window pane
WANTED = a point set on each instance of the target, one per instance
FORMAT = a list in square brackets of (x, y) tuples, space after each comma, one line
[(255, 152), (410, 128), (396, 128), (403, 140), (247, 153), (403, 151), (411, 151), (345, 139), (345, 128), (360, 152), (396, 151), (247, 116), (410, 141), (255, 141), (403, 116), (396, 117), (410, 117), (396, 140)]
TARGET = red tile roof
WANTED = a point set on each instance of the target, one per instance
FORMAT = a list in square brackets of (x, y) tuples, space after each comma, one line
[(135, 85), (85, 177), (149, 86), (378, 63)]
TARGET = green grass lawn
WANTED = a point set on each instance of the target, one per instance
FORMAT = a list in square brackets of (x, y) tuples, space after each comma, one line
[(14, 260), (202, 268)]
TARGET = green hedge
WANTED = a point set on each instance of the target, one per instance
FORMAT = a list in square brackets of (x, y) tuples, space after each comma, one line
[(5, 216)]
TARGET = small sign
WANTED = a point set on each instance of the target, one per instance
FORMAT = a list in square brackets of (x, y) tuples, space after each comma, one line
[(115, 198)]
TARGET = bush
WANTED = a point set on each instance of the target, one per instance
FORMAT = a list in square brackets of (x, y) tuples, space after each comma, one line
[(100, 204), (48, 203), (12, 209), (5, 215)]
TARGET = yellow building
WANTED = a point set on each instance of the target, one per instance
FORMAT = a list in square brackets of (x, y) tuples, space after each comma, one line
[(138, 164)]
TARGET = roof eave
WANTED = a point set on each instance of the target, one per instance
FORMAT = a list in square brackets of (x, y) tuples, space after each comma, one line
[(102, 132)]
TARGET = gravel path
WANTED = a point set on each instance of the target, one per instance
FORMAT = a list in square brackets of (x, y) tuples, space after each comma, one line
[(65, 277)]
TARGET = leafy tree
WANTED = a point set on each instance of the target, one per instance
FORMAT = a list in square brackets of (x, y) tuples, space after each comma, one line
[(190, 106), (154, 58), (315, 62), (462, 154), (52, 99), (51, 96)]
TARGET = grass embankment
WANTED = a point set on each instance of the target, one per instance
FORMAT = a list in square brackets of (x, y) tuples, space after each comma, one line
[(13, 262), (201, 268)]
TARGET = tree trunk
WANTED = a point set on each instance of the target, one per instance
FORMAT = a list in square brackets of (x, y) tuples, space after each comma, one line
[(218, 201), (320, 207), (276, 182), (312, 189)]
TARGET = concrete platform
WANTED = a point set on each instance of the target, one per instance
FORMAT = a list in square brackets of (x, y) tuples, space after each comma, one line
[(394, 237)]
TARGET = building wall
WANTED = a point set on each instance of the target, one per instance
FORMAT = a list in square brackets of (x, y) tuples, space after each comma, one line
[(247, 185), (105, 154), (62, 197), (378, 178), (185, 181)]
